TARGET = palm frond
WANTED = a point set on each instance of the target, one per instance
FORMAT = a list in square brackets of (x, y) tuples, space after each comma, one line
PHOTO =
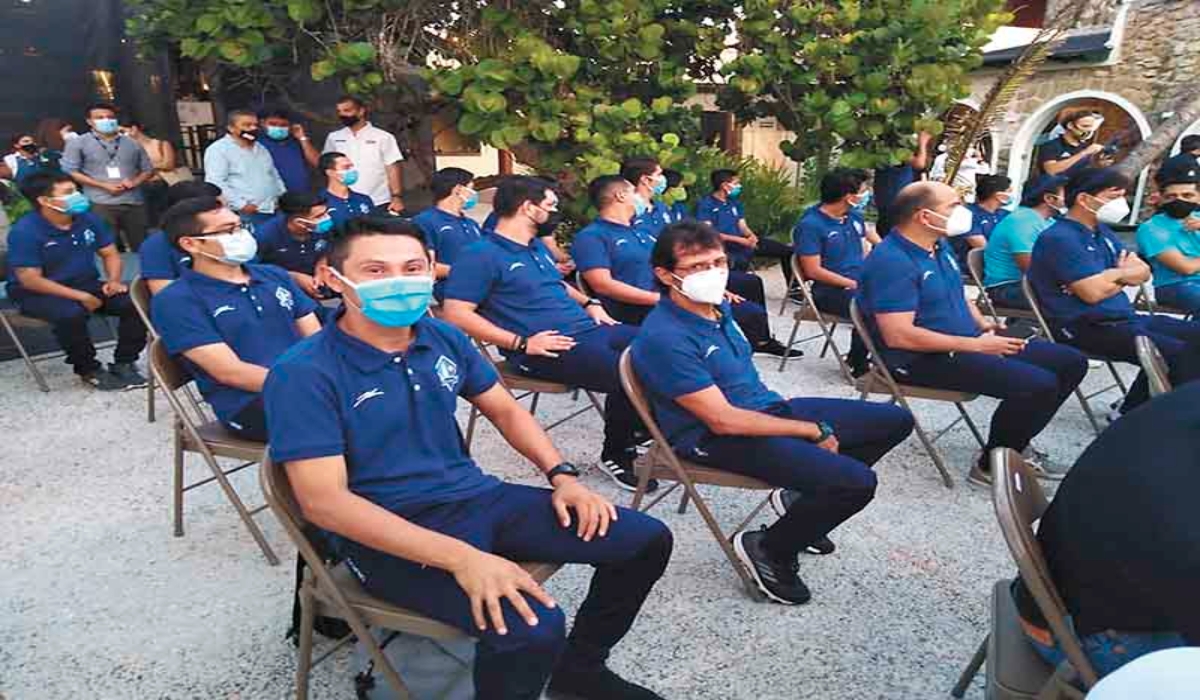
[(971, 127)]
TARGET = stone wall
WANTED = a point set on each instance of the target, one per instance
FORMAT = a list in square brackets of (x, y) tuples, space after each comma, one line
[(1098, 13)]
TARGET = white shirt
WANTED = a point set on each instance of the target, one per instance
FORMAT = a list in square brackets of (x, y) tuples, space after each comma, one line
[(371, 150)]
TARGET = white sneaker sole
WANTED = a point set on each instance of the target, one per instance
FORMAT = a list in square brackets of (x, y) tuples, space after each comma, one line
[(744, 558), (620, 484)]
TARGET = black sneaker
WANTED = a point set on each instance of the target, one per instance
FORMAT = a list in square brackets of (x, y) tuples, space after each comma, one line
[(620, 470), (596, 683), (126, 372), (778, 580), (775, 348), (781, 501), (103, 380)]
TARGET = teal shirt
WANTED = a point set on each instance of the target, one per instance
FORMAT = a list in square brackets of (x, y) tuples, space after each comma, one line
[(1162, 233), (1016, 233)]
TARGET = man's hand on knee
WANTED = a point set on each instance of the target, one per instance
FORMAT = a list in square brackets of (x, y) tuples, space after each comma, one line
[(488, 579)]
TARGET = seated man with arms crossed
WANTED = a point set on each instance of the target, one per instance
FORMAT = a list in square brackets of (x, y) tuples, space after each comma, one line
[(829, 241), (1007, 255), (714, 409), (913, 300), (362, 415), (228, 320), (446, 225), (1080, 271), (1170, 240), (506, 291)]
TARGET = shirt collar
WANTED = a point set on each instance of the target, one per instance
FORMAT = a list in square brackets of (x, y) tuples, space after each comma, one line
[(197, 278), (694, 321), (915, 250), (1080, 227), (368, 358), (509, 244), (833, 219)]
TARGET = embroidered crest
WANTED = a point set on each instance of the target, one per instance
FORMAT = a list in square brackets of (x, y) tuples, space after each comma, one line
[(284, 297), (447, 373)]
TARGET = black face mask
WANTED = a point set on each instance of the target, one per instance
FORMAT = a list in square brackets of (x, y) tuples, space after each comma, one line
[(249, 134), (1178, 209), (348, 121), (548, 228), (28, 147)]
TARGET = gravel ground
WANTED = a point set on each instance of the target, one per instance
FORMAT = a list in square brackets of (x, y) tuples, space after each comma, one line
[(98, 599)]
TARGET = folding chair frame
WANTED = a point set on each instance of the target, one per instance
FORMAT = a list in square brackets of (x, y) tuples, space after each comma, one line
[(808, 311), (881, 375), (1157, 372), (139, 294), (1144, 301), (998, 314), (662, 463), (187, 438), (320, 593)]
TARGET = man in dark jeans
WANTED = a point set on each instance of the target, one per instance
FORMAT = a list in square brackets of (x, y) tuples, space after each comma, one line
[(363, 416), (52, 276), (1122, 538)]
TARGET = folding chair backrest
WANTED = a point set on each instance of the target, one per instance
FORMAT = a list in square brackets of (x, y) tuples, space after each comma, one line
[(860, 327), (168, 372), (139, 294), (975, 265), (582, 284), (174, 380), (277, 491), (1032, 300), (637, 396), (1020, 503), (1153, 365)]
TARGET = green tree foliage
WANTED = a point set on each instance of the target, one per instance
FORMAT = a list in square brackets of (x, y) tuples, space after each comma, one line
[(856, 77)]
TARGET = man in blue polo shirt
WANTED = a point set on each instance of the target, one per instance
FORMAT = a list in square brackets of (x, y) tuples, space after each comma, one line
[(890, 180), (1079, 273), (52, 276), (992, 195), (291, 150), (297, 239), (226, 319), (344, 203), (650, 182), (446, 225), (1170, 240), (161, 261), (714, 409), (506, 291), (828, 239), (722, 210), (363, 417), (1007, 255), (912, 296)]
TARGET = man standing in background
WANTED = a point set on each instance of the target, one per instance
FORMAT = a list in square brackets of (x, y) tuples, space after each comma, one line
[(244, 169), (291, 150), (374, 153)]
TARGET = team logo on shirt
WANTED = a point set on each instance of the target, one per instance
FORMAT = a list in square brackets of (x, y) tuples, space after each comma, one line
[(50, 243), (927, 275), (364, 208), (89, 237), (367, 395), (321, 245), (284, 296), (711, 349), (222, 309), (447, 373), (621, 241), (515, 266)]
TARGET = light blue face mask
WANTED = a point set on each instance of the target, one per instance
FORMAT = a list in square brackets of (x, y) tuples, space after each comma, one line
[(348, 177), (863, 201), (74, 204), (277, 133), (395, 302), (324, 225), (660, 185), (471, 200), (736, 191), (640, 205), (106, 126)]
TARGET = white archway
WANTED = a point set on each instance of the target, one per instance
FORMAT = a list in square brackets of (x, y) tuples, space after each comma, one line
[(1021, 150), (1193, 129)]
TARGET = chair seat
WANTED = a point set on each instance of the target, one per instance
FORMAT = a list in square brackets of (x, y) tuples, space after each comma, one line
[(661, 469), (18, 320), (1012, 312), (515, 380), (223, 443), (1015, 670), (809, 314), (873, 383)]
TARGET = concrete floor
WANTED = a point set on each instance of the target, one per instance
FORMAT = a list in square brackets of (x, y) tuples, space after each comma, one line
[(98, 600)]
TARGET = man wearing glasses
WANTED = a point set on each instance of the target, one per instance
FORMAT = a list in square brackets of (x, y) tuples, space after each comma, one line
[(505, 290), (228, 319), (706, 393)]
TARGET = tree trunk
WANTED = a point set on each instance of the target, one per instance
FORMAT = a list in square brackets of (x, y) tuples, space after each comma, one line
[(1159, 142)]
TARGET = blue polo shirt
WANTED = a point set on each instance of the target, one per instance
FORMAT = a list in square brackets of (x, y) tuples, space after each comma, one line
[(342, 210), (390, 415), (679, 212), (623, 250), (159, 259), (1160, 234), (887, 184), (724, 217), (516, 287), (656, 218), (677, 353), (1065, 253), (1014, 235), (288, 156), (839, 242), (276, 246), (256, 320), (982, 224), (901, 276), (67, 257), (447, 233)]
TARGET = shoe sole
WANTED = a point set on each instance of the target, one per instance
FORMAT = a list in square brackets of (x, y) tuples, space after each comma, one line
[(979, 484), (744, 558), (621, 484), (777, 356), (776, 498)]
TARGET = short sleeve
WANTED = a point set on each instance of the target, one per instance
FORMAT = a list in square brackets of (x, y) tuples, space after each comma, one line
[(182, 321), (302, 304), (430, 230), (807, 238), (1153, 240), (892, 291), (72, 157), (24, 248), (329, 146), (303, 412), (157, 261), (670, 368), (478, 373), (104, 234), (590, 252), (390, 151), (472, 276), (144, 162), (705, 211)]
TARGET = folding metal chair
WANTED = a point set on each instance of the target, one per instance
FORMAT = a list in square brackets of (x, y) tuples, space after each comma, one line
[(1145, 301), (1013, 668), (808, 311), (139, 294), (663, 464), (879, 380), (1154, 365), (1084, 399), (998, 314), (194, 431), (334, 591)]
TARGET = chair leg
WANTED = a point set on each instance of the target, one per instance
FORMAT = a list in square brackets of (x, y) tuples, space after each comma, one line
[(150, 398), (29, 362), (1117, 377), (533, 403), (962, 410), (471, 427), (243, 512), (791, 341), (968, 674), (683, 502), (304, 653), (178, 488), (930, 448), (726, 545), (1087, 411)]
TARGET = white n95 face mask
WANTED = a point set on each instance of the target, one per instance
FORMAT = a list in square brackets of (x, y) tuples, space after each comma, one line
[(706, 287), (238, 247), (1113, 211), (959, 221)]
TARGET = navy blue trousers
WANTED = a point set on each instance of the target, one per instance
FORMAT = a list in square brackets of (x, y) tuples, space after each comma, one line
[(836, 300), (70, 321), (833, 486), (518, 523)]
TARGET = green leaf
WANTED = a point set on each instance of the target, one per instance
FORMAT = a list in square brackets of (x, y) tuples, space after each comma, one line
[(303, 11), (208, 24), (546, 131), (471, 124), (232, 51), (661, 105), (632, 107)]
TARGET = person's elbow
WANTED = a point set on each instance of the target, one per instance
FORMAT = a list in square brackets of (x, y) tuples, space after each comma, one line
[(321, 507)]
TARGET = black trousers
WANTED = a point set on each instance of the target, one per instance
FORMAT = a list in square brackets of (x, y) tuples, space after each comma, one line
[(70, 321)]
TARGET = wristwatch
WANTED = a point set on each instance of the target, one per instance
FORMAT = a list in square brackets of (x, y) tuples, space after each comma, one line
[(564, 468), (826, 432), (592, 301)]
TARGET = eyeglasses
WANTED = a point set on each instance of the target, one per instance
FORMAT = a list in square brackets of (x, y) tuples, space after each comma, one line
[(721, 263), (222, 232)]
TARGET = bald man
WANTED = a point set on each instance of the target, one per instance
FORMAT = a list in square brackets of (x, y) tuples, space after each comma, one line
[(912, 296)]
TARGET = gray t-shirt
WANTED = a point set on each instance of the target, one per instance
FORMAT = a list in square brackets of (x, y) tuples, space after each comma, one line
[(91, 155)]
